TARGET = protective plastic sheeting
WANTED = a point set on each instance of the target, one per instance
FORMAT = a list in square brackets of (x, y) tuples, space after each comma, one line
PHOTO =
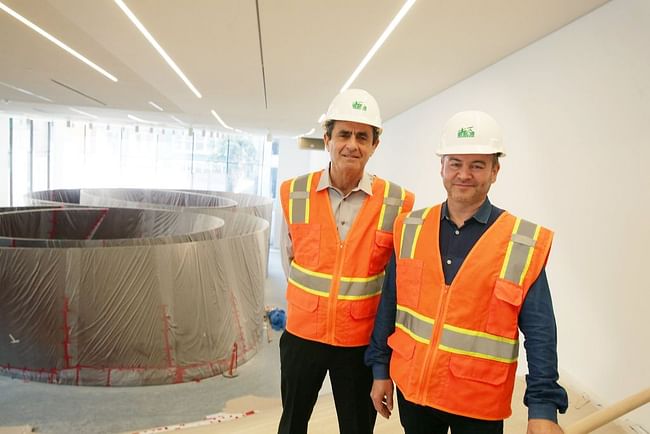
[(116, 296)]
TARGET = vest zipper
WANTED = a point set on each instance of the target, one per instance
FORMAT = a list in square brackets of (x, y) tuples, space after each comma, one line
[(334, 293), (338, 271), (433, 346)]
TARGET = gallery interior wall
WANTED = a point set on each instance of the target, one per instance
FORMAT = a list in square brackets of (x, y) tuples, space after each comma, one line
[(575, 107)]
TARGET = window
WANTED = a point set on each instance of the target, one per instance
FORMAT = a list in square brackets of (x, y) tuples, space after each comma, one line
[(61, 154)]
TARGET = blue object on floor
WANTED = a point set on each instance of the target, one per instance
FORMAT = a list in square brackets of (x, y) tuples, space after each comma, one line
[(277, 319)]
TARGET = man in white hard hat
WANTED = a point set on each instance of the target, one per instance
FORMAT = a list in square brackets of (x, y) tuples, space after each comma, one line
[(338, 243), (466, 276)]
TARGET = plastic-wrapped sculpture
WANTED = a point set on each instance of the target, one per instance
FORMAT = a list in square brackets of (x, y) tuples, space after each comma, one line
[(130, 296)]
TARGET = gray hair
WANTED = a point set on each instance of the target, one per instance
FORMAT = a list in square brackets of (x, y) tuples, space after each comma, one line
[(328, 126)]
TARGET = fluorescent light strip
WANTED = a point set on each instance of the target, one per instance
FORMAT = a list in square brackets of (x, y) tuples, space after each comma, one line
[(305, 134), (26, 92), (83, 113), (51, 38), (405, 8), (223, 124), (156, 106), (137, 119), (178, 120), (157, 46)]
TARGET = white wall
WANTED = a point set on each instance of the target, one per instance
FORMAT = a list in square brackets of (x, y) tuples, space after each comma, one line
[(575, 107), (293, 162)]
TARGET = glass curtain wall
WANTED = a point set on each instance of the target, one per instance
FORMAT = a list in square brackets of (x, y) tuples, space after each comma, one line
[(56, 154)]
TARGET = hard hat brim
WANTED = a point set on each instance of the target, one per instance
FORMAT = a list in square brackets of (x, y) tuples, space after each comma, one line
[(470, 149)]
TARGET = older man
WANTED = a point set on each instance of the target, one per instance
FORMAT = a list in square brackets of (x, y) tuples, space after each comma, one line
[(465, 278), (338, 243)]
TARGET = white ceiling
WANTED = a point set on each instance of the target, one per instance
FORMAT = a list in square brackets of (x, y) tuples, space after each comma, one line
[(309, 47)]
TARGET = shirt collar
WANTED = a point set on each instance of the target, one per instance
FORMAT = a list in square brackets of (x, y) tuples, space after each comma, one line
[(482, 214), (365, 183)]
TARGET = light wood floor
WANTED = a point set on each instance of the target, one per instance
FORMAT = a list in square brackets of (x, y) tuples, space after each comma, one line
[(324, 421)]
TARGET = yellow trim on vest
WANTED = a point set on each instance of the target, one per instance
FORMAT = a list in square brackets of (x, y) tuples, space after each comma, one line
[(506, 260), (419, 316), (361, 279), (478, 355), (480, 334), (417, 232), (330, 276), (411, 334), (401, 237), (530, 256), (358, 297), (310, 272), (380, 222), (309, 290), (293, 181), (307, 203)]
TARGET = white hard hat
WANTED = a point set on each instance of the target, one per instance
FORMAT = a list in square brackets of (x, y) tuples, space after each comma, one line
[(355, 105), (471, 132)]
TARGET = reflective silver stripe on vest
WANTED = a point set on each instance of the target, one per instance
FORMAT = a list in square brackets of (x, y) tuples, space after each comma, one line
[(393, 200), (414, 324), (520, 251), (351, 288), (410, 232), (478, 344), (355, 288), (299, 199), (314, 283)]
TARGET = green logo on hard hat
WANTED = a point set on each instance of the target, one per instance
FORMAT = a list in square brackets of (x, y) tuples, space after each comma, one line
[(358, 105), (466, 132)]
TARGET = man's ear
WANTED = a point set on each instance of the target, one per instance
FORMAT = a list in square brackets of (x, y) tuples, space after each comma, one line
[(326, 139), (495, 172)]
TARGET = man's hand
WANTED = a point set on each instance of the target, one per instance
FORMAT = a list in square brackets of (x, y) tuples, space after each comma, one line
[(541, 426), (382, 396)]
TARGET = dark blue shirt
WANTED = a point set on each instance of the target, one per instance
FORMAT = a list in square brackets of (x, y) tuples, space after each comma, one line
[(544, 396)]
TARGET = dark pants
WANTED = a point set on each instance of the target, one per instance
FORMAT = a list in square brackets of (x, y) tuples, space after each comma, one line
[(418, 419), (303, 366)]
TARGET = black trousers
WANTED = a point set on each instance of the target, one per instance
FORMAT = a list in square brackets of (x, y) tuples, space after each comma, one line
[(303, 365), (418, 419)]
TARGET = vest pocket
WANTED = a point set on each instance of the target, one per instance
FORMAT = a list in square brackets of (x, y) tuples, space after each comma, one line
[(409, 281), (363, 309), (381, 250), (504, 309), (305, 239), (402, 345), (302, 314), (481, 370)]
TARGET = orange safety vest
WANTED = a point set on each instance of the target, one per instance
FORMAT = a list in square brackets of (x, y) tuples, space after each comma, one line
[(334, 287), (455, 346)]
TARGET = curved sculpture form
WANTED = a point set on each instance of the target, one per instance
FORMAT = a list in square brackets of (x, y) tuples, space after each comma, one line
[(116, 296)]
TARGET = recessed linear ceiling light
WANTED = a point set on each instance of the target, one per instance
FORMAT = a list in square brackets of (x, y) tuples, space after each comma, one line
[(83, 113), (157, 46), (402, 12), (223, 124), (305, 134), (51, 38), (26, 92), (156, 106), (137, 119), (178, 120)]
